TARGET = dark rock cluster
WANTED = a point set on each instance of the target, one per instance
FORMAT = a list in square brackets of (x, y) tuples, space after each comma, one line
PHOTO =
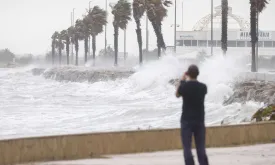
[(174, 82)]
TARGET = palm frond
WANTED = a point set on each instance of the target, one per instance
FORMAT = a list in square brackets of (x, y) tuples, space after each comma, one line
[(261, 5), (96, 19), (122, 12), (156, 9), (167, 3), (139, 7), (64, 34), (55, 35), (80, 29)]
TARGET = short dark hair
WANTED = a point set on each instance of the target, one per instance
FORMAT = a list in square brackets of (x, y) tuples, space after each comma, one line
[(193, 71)]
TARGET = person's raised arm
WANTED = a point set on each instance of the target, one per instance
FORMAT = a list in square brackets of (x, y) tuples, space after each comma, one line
[(179, 91)]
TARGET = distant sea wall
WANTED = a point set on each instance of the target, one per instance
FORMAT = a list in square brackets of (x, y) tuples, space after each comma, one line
[(68, 147), (257, 76), (82, 74), (86, 74)]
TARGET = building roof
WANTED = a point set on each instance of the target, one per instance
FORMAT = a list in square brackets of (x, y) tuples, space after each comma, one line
[(203, 23)]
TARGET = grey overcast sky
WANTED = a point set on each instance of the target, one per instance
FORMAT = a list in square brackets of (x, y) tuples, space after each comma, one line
[(27, 25)]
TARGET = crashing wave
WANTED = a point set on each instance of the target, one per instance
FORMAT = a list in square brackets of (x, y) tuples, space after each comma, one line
[(82, 74)]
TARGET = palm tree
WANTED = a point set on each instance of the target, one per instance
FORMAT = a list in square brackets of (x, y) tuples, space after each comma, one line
[(138, 11), (54, 43), (85, 33), (71, 34), (78, 35), (156, 12), (122, 15), (66, 38), (224, 26), (60, 46), (97, 18), (256, 6)]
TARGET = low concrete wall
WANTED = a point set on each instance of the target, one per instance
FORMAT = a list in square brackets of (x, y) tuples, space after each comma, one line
[(96, 144)]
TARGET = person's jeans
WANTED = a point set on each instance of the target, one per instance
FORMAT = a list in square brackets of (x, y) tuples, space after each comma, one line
[(187, 130)]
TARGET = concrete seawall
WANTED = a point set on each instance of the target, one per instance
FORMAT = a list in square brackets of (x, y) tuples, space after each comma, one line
[(81, 146)]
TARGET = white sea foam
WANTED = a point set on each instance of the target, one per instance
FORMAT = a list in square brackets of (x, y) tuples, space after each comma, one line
[(33, 106)]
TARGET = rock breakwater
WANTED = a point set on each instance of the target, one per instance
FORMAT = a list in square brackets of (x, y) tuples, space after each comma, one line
[(81, 74), (258, 91)]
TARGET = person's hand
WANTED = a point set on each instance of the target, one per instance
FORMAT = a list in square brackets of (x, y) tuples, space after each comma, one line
[(184, 77)]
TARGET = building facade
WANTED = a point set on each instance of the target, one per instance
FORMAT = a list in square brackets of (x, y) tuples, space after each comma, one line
[(238, 37)]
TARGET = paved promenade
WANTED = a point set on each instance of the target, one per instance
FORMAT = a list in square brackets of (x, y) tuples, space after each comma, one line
[(247, 155)]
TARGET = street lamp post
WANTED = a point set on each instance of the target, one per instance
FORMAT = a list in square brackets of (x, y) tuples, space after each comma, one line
[(105, 48), (182, 16), (211, 27), (71, 41), (89, 35), (90, 5), (124, 46), (72, 15), (175, 28), (147, 35), (147, 31), (257, 44)]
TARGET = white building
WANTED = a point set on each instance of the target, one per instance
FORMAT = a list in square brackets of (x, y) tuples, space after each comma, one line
[(238, 36)]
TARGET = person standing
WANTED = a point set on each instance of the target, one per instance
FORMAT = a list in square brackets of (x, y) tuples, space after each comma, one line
[(192, 119)]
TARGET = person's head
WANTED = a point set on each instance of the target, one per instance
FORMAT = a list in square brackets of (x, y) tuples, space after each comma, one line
[(193, 72)]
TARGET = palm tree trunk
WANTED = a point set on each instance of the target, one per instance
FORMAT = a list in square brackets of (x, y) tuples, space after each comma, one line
[(76, 51), (72, 53), (155, 27), (94, 47), (163, 45), (53, 51), (254, 38), (89, 47), (139, 39), (116, 43), (86, 47), (60, 52), (68, 50), (160, 41), (224, 26), (257, 45)]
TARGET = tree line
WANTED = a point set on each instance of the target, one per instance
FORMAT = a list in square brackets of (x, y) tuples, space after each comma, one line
[(256, 7), (156, 10), (7, 56), (91, 25)]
